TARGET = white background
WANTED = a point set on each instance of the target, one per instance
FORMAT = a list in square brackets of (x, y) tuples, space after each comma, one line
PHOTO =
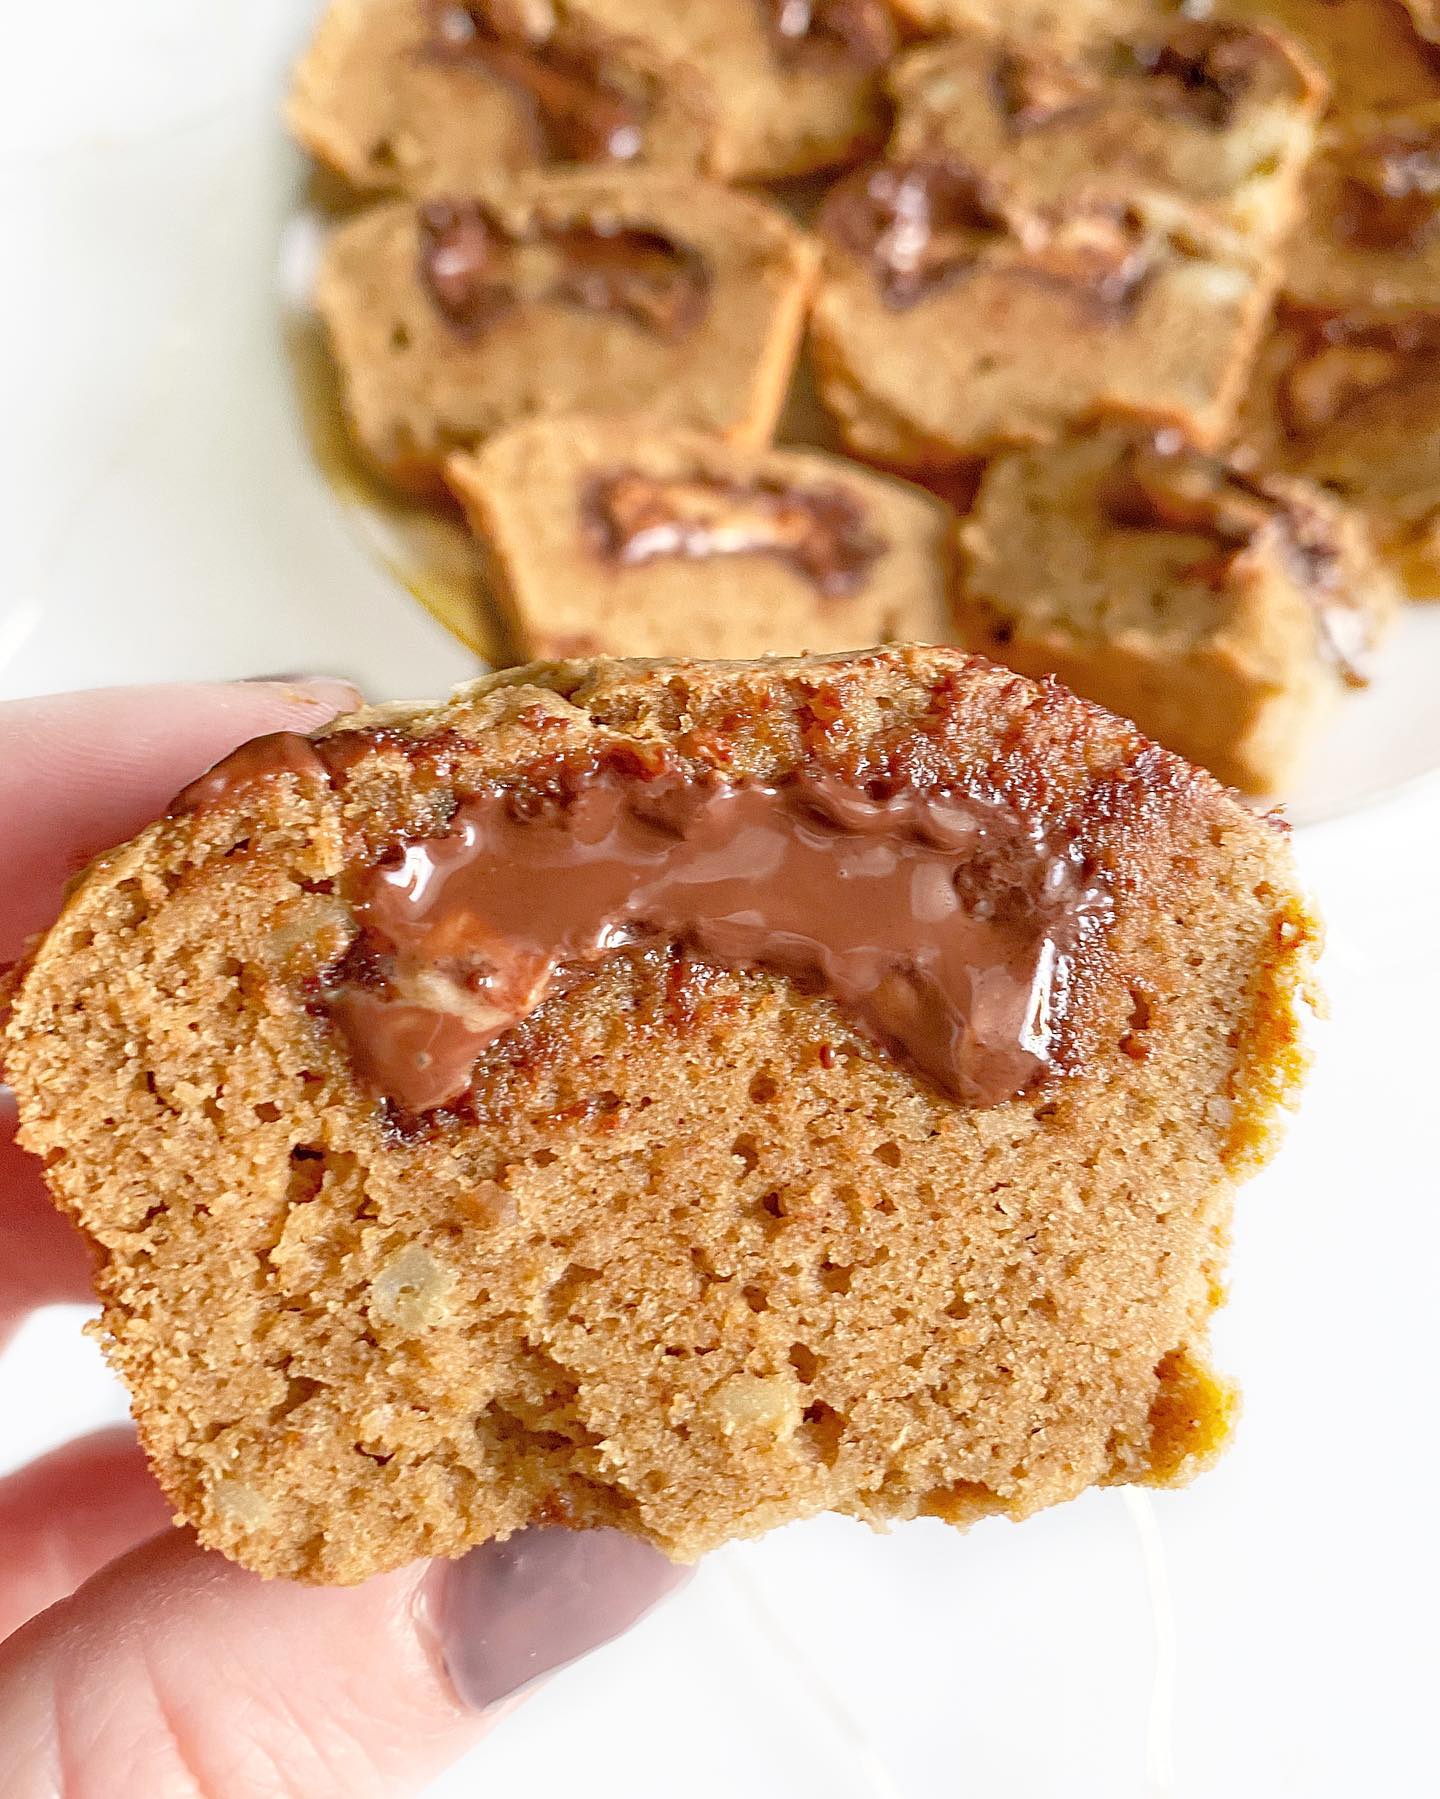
[(1269, 1632)]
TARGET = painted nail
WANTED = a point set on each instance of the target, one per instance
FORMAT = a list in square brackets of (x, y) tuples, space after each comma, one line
[(508, 1613)]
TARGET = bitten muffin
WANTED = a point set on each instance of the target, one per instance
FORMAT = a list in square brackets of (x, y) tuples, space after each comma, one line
[(431, 96), (1217, 114), (874, 1155), (1352, 400), (954, 316), (795, 87), (451, 319), (1224, 610), (1370, 236), (608, 541)]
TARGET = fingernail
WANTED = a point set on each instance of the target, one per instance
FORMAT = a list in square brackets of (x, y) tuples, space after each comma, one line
[(508, 1613), (321, 690)]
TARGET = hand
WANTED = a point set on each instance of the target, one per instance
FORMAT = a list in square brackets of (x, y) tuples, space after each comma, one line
[(162, 1669)]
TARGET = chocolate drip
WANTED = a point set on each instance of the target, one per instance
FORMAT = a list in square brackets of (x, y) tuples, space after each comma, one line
[(476, 269), (944, 924), (632, 518)]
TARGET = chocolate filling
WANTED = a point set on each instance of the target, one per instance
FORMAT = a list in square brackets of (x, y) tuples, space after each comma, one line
[(476, 268), (632, 518), (944, 924), (1158, 488), (252, 765), (924, 225), (858, 33), (920, 225), (578, 111)]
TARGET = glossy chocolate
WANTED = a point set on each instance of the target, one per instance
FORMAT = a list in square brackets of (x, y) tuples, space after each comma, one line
[(578, 110), (253, 765), (631, 518), (943, 924), (476, 269)]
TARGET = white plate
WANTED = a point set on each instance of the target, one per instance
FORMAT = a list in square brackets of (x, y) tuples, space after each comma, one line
[(1268, 1631)]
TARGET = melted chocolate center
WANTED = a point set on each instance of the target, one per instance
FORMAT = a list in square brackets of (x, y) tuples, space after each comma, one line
[(943, 924)]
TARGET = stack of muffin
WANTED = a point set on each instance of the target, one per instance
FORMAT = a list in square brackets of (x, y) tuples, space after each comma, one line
[(1128, 310)]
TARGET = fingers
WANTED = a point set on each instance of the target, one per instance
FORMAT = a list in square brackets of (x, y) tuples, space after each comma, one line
[(81, 772), (67, 1515), (78, 774), (174, 1671), (43, 1260)]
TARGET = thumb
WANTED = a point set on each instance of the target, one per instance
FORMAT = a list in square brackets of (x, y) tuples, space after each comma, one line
[(175, 1672)]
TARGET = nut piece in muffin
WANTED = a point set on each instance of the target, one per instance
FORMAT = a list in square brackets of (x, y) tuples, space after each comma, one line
[(1352, 401), (1214, 113), (795, 84), (1224, 610), (671, 1096), (431, 96), (604, 539), (955, 316), (1370, 235), (451, 319)]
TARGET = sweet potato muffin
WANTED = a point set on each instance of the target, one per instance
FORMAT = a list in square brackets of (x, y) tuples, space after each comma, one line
[(673, 1096), (1224, 609), (956, 315), (627, 293), (1217, 114), (432, 96), (605, 539)]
